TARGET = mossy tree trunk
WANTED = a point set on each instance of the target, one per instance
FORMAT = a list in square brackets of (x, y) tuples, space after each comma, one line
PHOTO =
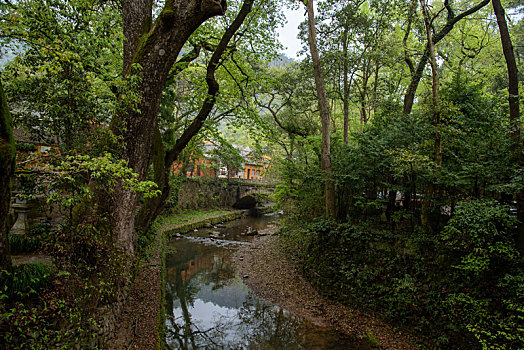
[(150, 50), (7, 166), (155, 47)]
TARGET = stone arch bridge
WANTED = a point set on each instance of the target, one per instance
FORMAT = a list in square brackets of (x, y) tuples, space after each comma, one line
[(201, 193)]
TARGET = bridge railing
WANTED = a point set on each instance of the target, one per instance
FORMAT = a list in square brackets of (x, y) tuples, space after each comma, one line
[(262, 182), (247, 182)]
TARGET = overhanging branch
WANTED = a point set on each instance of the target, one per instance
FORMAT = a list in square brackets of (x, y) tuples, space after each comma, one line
[(213, 87)]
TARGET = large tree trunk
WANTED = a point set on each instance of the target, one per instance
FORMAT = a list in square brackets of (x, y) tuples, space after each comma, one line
[(153, 206), (437, 150), (325, 158), (450, 23), (155, 49), (514, 113), (162, 159), (7, 164), (137, 20)]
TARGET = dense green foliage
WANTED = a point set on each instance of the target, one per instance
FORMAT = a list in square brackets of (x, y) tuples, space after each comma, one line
[(455, 297), (37, 315), (26, 280)]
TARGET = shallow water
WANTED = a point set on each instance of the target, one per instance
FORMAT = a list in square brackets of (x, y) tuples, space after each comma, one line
[(209, 307)]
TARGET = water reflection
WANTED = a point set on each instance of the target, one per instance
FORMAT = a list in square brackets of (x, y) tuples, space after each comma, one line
[(209, 307)]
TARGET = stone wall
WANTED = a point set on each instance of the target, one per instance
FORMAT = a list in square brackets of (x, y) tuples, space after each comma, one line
[(204, 193), (107, 321)]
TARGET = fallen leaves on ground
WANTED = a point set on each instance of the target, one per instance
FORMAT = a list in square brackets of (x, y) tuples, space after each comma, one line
[(275, 278)]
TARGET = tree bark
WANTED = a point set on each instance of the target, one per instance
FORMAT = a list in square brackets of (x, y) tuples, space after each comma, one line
[(346, 86), (152, 207), (513, 82), (154, 49), (325, 158), (450, 23), (514, 113), (7, 164), (137, 20), (363, 95)]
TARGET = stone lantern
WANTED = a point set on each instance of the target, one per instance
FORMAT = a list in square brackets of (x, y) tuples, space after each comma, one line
[(21, 208)]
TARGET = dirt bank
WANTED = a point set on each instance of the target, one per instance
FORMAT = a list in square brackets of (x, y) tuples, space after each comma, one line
[(277, 279)]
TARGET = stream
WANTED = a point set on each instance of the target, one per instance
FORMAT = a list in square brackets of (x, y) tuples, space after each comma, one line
[(209, 307)]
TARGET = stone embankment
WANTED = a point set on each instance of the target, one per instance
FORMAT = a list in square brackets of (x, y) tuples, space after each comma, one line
[(184, 227)]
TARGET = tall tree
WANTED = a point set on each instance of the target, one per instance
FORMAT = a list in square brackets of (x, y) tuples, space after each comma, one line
[(341, 25), (514, 113), (325, 157), (7, 164), (437, 147), (346, 81)]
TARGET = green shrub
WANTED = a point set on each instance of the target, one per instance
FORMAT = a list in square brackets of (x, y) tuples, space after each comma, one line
[(483, 234), (23, 244), (25, 280), (489, 272), (38, 316)]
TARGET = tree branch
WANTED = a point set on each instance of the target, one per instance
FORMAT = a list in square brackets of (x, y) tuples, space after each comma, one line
[(213, 87), (183, 62)]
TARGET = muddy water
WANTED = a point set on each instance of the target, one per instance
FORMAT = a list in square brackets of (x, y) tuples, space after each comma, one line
[(209, 307)]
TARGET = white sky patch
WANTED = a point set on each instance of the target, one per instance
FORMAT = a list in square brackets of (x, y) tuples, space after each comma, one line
[(288, 35)]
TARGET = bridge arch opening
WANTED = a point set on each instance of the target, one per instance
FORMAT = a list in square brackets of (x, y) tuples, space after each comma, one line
[(246, 202)]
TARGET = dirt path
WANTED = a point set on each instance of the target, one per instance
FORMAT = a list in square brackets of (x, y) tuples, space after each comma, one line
[(31, 259), (199, 222), (275, 278)]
